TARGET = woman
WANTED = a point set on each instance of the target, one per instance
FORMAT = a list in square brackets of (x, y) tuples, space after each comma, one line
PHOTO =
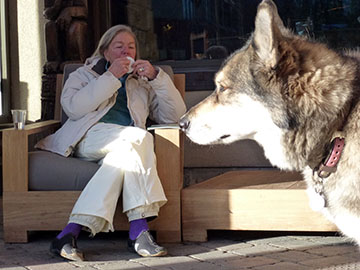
[(108, 101)]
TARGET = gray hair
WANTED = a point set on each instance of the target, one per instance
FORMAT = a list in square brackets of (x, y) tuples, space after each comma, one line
[(109, 35)]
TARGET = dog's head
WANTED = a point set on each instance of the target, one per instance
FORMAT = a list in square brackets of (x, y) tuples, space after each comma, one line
[(240, 107), (273, 84)]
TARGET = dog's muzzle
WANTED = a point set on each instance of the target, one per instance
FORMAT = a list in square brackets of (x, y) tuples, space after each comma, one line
[(184, 123)]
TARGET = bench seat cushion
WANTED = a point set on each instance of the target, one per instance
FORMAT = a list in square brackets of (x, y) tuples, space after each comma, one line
[(49, 171)]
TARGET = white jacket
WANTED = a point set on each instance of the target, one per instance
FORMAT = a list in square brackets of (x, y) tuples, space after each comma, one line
[(90, 92)]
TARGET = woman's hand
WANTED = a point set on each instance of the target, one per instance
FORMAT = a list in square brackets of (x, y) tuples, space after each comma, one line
[(120, 67), (144, 68)]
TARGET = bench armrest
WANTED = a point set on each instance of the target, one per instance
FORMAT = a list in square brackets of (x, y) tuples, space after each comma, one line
[(15, 146), (169, 152)]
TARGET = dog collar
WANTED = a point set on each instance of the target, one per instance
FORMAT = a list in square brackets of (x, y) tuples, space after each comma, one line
[(328, 166)]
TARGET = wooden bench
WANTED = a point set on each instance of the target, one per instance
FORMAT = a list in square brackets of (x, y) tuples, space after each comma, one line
[(264, 200)]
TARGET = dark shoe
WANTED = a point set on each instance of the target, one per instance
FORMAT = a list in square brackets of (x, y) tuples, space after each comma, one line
[(145, 246), (66, 247)]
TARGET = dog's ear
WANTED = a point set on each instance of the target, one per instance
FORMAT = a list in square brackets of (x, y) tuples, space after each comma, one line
[(268, 28)]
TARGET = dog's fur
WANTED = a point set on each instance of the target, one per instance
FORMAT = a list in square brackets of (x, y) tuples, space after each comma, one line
[(292, 96)]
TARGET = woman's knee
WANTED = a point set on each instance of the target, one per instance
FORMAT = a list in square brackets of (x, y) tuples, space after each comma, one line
[(141, 135), (147, 141), (135, 138)]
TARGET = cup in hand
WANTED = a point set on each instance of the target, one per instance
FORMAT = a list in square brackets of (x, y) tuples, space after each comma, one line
[(132, 61), (19, 118)]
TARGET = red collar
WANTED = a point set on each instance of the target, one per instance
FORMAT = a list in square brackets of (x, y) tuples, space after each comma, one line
[(328, 166)]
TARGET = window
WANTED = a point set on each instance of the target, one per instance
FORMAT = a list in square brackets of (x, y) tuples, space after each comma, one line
[(198, 29), (208, 29)]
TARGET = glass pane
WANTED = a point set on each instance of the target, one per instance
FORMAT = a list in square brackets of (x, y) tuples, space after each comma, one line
[(202, 28), (208, 29)]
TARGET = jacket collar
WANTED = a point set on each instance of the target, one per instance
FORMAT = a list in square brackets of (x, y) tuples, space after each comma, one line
[(99, 67)]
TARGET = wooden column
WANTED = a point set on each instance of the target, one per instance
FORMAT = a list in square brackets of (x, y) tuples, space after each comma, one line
[(67, 39)]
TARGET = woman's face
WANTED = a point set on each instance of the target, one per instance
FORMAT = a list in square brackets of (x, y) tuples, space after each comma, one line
[(122, 45)]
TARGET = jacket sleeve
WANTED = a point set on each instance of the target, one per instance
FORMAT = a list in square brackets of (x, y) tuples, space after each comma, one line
[(84, 92), (167, 106)]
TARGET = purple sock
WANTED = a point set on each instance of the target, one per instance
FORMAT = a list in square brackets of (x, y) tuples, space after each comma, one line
[(72, 228), (136, 227)]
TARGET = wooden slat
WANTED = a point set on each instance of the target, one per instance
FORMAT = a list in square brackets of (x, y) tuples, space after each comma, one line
[(37, 127), (169, 155), (253, 179), (15, 160), (44, 210)]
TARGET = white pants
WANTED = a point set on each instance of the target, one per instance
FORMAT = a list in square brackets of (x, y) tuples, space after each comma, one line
[(128, 163)]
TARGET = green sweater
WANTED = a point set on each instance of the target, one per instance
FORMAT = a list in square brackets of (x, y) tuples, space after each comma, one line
[(119, 113)]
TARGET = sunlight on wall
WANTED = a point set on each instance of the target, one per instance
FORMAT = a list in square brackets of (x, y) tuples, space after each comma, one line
[(31, 57)]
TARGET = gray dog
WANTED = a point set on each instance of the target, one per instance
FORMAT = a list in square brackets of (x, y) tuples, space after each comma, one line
[(300, 101)]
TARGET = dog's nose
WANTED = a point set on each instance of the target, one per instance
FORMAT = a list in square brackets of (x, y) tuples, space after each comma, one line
[(184, 123)]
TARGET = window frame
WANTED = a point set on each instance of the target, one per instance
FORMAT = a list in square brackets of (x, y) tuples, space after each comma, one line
[(4, 66)]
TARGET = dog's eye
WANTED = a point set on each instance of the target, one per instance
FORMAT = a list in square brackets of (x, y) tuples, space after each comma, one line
[(222, 88)]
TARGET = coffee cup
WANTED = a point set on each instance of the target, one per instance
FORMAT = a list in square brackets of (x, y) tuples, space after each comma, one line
[(132, 61)]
